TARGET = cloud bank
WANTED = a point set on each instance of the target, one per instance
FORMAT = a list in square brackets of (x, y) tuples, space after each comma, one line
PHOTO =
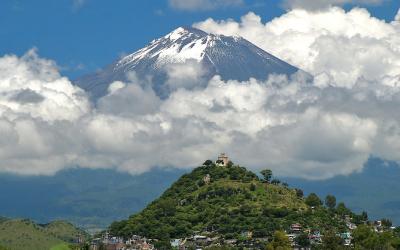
[(196, 5), (318, 129), (355, 45), (323, 4)]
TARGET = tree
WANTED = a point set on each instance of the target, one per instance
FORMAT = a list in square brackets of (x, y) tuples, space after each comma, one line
[(331, 241), (365, 238), (280, 241), (302, 240), (313, 200), (267, 174), (386, 223), (364, 216), (167, 207), (299, 193), (207, 163), (342, 210), (252, 187), (275, 182), (163, 244), (330, 201)]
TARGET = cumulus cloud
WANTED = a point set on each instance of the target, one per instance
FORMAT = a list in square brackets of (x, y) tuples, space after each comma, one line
[(354, 45), (317, 129), (195, 5), (322, 4), (397, 17), (189, 75)]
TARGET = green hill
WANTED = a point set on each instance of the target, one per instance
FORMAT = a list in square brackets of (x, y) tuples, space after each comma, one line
[(26, 235), (65, 231), (232, 201)]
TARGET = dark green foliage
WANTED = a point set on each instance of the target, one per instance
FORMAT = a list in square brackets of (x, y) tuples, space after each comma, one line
[(163, 245), (299, 193), (302, 240), (366, 238), (280, 241), (313, 200), (330, 201), (342, 210), (386, 223), (331, 241), (275, 182), (208, 163), (267, 174), (234, 201)]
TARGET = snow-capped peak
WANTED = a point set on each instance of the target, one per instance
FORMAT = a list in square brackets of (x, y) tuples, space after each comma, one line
[(229, 57), (184, 31), (178, 46)]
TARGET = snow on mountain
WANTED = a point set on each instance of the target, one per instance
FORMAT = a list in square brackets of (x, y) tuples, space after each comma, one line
[(233, 58)]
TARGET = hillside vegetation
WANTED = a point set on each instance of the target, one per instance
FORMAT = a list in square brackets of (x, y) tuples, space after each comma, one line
[(27, 235), (232, 201)]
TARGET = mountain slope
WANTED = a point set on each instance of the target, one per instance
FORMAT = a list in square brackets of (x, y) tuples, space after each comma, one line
[(234, 201), (89, 198), (233, 58), (374, 190), (27, 235)]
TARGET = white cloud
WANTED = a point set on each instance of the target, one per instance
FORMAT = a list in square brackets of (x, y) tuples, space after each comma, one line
[(397, 17), (354, 45), (189, 75), (32, 86), (322, 4), (314, 130), (195, 5), (77, 4)]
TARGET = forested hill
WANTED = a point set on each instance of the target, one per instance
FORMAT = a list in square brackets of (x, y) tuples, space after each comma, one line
[(23, 234), (228, 200)]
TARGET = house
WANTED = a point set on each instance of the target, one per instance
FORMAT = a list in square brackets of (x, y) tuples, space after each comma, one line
[(378, 226), (207, 179), (315, 237), (138, 242), (115, 246), (292, 238), (223, 160), (230, 242), (176, 243), (351, 226), (296, 228), (346, 238)]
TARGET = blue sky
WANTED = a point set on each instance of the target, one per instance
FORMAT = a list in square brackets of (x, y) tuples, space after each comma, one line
[(350, 111), (82, 36)]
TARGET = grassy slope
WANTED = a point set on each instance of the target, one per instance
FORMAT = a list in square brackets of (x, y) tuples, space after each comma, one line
[(61, 246), (26, 235), (228, 204), (64, 231)]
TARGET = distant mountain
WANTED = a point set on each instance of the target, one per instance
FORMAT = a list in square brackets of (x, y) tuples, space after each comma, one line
[(233, 58), (91, 199), (374, 190), (27, 235)]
